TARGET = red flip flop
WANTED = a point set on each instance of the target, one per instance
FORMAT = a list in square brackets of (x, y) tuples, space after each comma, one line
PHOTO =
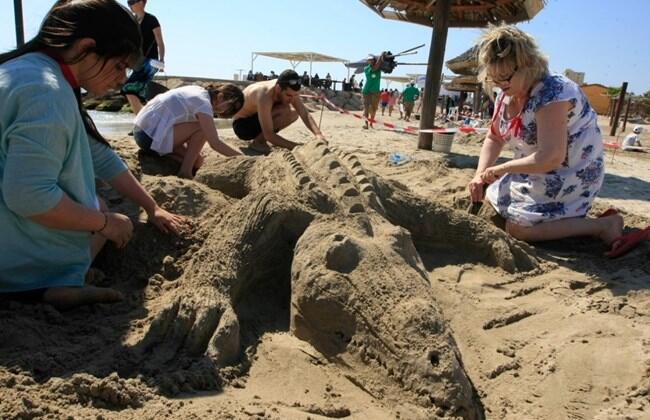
[(625, 243)]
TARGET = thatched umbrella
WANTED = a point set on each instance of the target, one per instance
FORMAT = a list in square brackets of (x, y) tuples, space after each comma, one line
[(466, 63), (441, 15)]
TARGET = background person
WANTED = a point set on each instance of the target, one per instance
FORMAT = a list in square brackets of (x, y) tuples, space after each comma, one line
[(409, 95), (180, 121), (52, 223), (370, 90), (631, 141), (269, 107), (153, 48), (546, 190)]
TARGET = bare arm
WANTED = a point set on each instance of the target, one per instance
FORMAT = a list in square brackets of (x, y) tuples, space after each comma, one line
[(490, 151), (210, 132), (70, 215), (306, 117), (126, 184), (264, 109), (378, 62), (157, 33), (551, 143)]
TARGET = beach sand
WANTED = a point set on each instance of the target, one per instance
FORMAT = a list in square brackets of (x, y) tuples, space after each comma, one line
[(338, 307)]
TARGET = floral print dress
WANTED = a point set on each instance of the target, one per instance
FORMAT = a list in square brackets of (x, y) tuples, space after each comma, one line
[(568, 191)]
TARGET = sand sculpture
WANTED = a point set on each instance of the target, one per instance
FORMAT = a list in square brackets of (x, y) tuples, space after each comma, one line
[(313, 230)]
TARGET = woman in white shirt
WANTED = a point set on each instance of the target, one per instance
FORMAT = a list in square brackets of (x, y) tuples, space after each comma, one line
[(180, 121)]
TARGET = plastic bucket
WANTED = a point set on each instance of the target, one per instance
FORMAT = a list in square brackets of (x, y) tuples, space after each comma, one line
[(442, 142)]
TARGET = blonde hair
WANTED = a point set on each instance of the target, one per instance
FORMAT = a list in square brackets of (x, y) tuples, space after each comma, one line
[(508, 47)]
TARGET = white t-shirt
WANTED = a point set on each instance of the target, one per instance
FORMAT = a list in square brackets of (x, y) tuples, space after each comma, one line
[(630, 140), (175, 106)]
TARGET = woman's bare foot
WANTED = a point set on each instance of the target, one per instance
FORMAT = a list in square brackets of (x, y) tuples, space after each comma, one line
[(70, 297), (612, 228)]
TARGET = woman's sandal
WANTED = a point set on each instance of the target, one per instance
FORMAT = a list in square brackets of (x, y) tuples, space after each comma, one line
[(626, 243)]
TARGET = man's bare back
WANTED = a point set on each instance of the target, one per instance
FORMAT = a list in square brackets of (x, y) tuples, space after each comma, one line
[(252, 95)]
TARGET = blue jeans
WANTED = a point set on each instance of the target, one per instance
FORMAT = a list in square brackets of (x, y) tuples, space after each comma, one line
[(143, 140)]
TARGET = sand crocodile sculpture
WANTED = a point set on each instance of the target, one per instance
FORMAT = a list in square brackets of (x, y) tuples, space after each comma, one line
[(344, 240)]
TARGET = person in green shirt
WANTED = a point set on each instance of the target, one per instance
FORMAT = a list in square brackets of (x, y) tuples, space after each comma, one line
[(370, 89), (409, 95), (52, 224)]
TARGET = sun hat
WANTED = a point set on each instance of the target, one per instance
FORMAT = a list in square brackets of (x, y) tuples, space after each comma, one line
[(371, 57), (638, 129)]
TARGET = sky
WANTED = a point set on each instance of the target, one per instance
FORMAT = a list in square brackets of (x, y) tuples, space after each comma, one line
[(606, 39)]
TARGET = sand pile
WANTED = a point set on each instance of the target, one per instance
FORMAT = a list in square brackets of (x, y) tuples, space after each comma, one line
[(326, 282)]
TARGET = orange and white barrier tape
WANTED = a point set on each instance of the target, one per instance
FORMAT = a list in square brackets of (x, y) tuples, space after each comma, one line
[(395, 127)]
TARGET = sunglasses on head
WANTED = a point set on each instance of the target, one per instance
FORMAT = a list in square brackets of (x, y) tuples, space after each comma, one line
[(292, 83), (132, 2)]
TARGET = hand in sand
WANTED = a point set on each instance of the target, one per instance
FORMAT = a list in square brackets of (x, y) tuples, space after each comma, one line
[(167, 222), (475, 189)]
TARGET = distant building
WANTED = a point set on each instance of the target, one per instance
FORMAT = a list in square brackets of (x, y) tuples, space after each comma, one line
[(598, 98), (578, 77)]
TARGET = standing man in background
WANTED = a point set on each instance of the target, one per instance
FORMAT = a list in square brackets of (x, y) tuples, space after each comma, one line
[(370, 89), (153, 48), (409, 95)]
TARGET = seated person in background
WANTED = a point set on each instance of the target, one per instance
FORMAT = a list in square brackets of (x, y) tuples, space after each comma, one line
[(268, 109), (631, 141), (180, 121)]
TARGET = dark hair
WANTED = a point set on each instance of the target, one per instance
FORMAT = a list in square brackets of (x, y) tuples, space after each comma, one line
[(229, 92), (289, 79), (113, 28)]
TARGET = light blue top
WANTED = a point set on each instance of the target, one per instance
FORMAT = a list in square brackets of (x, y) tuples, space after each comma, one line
[(45, 153)]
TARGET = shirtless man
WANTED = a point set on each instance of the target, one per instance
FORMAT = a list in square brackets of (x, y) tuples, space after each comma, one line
[(269, 107)]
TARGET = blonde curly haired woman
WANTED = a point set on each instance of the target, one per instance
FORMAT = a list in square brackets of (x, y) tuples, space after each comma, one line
[(546, 190)]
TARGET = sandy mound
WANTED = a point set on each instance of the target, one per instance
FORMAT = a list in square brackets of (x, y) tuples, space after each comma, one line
[(323, 283)]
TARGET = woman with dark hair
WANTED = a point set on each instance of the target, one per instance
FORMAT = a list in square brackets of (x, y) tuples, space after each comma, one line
[(179, 122), (52, 223)]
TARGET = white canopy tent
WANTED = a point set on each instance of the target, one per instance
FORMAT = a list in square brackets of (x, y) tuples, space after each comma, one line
[(296, 58)]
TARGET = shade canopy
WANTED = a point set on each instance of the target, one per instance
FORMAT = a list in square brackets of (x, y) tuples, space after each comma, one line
[(463, 13), (441, 15), (399, 79), (463, 83), (296, 58)]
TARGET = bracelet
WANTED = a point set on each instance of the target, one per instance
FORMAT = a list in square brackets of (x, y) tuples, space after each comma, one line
[(105, 224)]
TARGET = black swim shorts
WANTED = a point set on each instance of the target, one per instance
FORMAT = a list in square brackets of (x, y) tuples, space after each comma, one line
[(247, 128)]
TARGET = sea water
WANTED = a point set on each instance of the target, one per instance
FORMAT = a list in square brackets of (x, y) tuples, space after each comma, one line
[(114, 124)]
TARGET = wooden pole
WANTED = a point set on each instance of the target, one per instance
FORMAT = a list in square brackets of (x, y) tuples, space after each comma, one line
[(627, 112), (18, 14), (440, 20), (477, 99), (619, 107), (611, 114)]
